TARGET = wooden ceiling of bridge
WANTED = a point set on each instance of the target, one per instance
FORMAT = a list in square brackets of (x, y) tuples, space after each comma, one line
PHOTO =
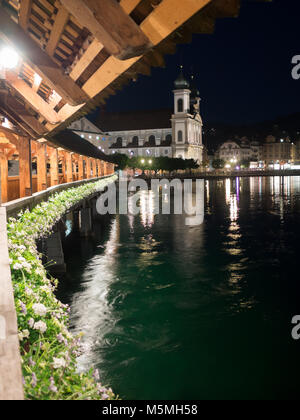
[(76, 53)]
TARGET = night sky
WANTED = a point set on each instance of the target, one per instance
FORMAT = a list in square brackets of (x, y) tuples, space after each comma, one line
[(243, 70)]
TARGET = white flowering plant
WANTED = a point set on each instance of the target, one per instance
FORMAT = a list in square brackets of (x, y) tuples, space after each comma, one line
[(48, 350)]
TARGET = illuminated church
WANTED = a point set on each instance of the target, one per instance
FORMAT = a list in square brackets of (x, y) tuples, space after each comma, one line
[(153, 133)]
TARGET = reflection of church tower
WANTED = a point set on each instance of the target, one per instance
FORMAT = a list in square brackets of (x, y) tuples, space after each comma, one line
[(186, 120)]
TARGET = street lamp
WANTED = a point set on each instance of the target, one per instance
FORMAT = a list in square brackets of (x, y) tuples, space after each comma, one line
[(150, 162), (9, 58), (142, 161)]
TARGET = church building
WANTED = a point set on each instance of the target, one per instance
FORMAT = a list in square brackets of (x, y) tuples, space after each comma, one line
[(153, 133)]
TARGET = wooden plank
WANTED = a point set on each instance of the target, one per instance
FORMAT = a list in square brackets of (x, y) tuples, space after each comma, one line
[(41, 167), (33, 99), (24, 13), (11, 387), (108, 22), (94, 165), (25, 183), (60, 22), (40, 61)]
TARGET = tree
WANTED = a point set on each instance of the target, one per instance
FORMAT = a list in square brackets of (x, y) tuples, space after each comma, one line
[(120, 160), (218, 164)]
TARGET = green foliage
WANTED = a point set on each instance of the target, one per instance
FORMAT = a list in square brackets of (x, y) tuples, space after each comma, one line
[(162, 163), (218, 164), (48, 350), (120, 160)]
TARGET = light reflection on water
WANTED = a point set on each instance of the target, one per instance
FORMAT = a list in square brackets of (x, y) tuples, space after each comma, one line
[(174, 312)]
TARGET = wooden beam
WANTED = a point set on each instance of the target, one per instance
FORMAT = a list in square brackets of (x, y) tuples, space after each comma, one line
[(41, 167), (96, 47), (69, 166), (80, 168), (165, 19), (25, 167), (108, 22), (58, 28), (17, 108), (33, 99), (129, 5), (24, 13), (54, 176), (91, 53), (24, 128), (94, 164), (40, 62), (3, 175)]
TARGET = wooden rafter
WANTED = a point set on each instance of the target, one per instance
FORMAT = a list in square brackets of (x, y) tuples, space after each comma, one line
[(57, 30), (40, 62), (111, 26), (32, 98), (24, 13)]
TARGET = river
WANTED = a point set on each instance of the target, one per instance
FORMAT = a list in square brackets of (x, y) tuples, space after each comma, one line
[(204, 312)]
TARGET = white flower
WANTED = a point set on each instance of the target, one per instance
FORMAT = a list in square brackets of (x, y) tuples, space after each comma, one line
[(39, 309), (31, 322), (40, 326), (59, 363)]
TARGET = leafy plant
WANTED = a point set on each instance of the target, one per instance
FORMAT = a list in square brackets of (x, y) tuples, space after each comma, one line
[(48, 350)]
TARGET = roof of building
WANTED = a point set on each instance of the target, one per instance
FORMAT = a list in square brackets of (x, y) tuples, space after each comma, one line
[(84, 125), (181, 82), (135, 120), (71, 141)]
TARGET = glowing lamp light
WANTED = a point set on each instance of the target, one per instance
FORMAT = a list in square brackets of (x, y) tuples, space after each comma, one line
[(9, 58), (227, 166), (150, 162), (143, 161)]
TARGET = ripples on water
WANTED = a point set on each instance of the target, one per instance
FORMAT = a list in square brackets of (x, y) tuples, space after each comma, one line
[(173, 312)]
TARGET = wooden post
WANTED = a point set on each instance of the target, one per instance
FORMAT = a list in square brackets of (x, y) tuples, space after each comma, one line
[(4, 176), (53, 166), (69, 166), (80, 168), (25, 173), (94, 163), (41, 167)]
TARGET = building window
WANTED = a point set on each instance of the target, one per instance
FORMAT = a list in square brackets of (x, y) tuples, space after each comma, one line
[(135, 140), (180, 135), (119, 142), (152, 140), (169, 138), (180, 105), (166, 152)]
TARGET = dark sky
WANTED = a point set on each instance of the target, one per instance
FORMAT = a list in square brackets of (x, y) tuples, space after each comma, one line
[(243, 70)]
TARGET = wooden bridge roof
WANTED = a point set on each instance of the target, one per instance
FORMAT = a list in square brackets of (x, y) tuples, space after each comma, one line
[(76, 53)]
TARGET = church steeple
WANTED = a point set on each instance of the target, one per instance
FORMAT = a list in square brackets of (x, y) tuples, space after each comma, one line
[(181, 82)]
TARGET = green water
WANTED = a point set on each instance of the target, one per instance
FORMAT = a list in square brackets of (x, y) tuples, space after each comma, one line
[(174, 312)]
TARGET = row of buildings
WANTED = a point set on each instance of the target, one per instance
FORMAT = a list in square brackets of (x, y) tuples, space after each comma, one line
[(179, 133), (273, 152)]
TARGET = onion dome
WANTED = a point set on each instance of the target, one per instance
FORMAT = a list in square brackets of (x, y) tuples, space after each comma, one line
[(181, 82)]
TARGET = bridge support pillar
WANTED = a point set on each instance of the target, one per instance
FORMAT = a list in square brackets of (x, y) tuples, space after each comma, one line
[(86, 224), (55, 253)]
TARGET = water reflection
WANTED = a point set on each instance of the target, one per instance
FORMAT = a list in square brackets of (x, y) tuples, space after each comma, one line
[(91, 311), (175, 306)]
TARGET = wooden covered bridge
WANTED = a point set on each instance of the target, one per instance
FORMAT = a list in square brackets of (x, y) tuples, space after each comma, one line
[(59, 60)]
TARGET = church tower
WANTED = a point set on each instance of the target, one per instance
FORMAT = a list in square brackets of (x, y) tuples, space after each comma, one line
[(186, 120)]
